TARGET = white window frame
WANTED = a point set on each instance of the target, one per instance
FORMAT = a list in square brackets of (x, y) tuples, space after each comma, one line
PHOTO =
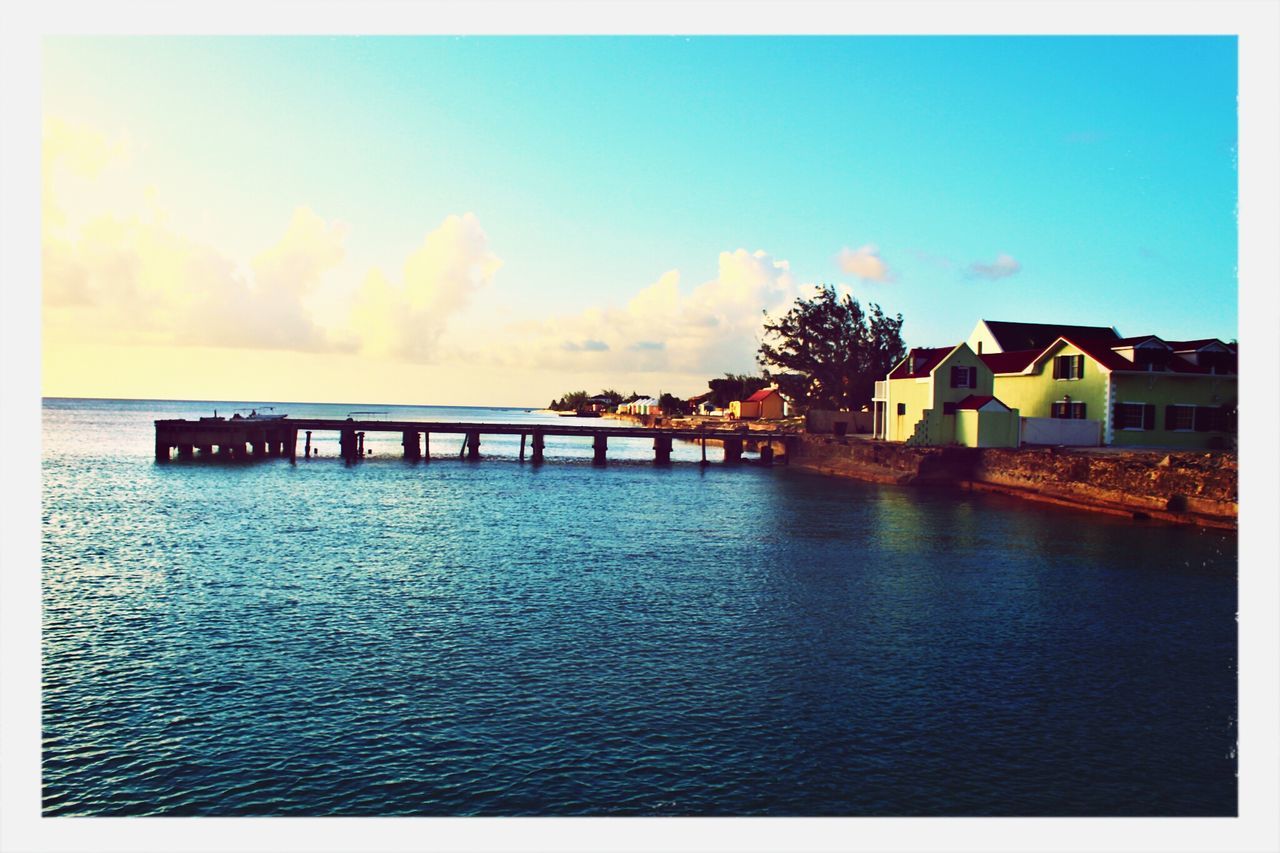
[(1137, 428), (1192, 407)]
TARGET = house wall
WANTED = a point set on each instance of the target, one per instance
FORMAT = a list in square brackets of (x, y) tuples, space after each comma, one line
[(770, 407), (986, 429), (925, 398), (917, 395), (1163, 389), (981, 340), (998, 429), (1033, 394)]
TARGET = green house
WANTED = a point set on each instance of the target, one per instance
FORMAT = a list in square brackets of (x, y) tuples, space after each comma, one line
[(1134, 392), (943, 395)]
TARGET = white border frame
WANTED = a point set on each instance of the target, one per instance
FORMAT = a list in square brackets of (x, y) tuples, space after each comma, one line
[(1258, 26)]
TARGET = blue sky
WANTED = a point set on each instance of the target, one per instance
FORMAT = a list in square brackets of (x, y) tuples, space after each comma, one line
[(1082, 180)]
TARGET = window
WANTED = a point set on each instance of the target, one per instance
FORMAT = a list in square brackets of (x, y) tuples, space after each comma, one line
[(948, 408), (964, 377), (1135, 416), (1068, 367), (902, 408), (1179, 417), (1067, 409)]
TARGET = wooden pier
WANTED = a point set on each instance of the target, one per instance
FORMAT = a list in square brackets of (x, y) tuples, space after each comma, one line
[(255, 438)]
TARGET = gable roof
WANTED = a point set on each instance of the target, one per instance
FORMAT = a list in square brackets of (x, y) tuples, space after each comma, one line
[(762, 394), (927, 357), (1019, 336), (1010, 362), (977, 401)]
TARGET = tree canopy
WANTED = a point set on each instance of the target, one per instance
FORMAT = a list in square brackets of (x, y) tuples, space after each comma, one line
[(826, 352), (734, 387)]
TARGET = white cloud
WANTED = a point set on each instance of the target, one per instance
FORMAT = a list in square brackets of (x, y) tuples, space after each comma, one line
[(406, 319), (1002, 267), (713, 328), (865, 262)]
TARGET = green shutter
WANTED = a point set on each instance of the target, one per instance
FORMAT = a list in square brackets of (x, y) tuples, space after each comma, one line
[(1079, 367), (1149, 416), (1170, 417), (1057, 367), (1203, 419)]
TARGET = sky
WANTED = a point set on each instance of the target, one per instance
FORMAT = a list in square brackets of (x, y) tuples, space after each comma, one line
[(500, 220)]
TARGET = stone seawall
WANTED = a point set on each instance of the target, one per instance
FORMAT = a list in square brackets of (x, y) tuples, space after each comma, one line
[(1186, 487)]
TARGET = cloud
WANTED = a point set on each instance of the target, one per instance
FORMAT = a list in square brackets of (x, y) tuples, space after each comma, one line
[(116, 270), (1002, 267), (585, 346), (866, 263), (714, 327), (405, 319)]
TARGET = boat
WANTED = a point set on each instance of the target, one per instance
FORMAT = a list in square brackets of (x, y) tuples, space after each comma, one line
[(261, 413)]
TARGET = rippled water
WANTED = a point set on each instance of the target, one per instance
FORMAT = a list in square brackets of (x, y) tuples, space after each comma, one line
[(459, 638)]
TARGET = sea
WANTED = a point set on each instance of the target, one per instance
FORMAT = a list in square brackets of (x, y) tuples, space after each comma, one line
[(491, 637)]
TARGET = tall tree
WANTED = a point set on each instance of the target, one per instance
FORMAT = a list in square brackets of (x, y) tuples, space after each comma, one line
[(826, 352)]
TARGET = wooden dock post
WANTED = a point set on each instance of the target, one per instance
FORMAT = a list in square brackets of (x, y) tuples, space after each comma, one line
[(662, 449), (538, 444), (409, 440), (766, 453), (308, 453), (732, 450), (704, 450), (291, 439), (522, 438), (360, 444), (426, 447), (186, 451), (347, 444), (162, 447), (473, 444), (599, 444)]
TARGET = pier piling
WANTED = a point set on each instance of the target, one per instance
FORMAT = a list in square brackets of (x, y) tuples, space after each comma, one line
[(766, 453), (409, 440), (473, 444), (600, 445), (732, 450), (662, 449), (538, 444), (308, 450)]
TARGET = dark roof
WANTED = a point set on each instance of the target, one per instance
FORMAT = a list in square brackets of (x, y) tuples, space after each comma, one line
[(931, 357), (1186, 346), (1134, 341), (1019, 336), (977, 401), (760, 395), (1102, 353), (1010, 362)]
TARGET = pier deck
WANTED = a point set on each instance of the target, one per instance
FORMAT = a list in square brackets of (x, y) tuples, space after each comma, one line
[(239, 438)]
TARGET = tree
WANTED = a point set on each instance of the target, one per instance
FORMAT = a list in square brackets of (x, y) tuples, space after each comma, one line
[(671, 404), (734, 387), (572, 401), (826, 352)]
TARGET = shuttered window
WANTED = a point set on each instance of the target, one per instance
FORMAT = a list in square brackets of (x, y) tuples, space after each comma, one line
[(1068, 367), (964, 377), (1067, 409), (1179, 417), (1135, 416)]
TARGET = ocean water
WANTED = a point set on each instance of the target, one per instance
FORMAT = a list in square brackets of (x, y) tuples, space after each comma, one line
[(494, 638)]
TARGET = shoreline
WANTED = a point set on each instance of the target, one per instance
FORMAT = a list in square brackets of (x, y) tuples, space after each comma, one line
[(1174, 486)]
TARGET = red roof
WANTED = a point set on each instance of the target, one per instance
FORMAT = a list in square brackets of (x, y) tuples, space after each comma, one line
[(1136, 339), (926, 357), (977, 401), (762, 394), (1010, 362), (1100, 352)]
